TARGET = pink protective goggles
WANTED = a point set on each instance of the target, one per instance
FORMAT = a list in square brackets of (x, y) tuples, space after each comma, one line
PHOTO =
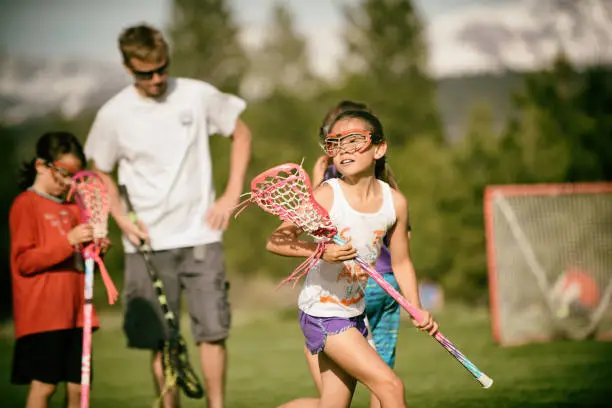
[(349, 141), (62, 169)]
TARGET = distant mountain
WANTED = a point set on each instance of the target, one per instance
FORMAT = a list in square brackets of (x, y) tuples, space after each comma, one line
[(35, 87), (522, 35), (472, 49), (30, 89), (457, 95)]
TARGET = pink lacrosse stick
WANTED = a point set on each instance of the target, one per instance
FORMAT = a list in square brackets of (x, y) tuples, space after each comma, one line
[(91, 196), (285, 191)]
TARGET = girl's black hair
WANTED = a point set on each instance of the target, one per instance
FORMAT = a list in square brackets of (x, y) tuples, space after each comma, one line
[(342, 106), (382, 171), (50, 147)]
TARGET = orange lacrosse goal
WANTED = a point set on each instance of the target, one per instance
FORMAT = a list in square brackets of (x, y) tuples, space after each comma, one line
[(549, 254)]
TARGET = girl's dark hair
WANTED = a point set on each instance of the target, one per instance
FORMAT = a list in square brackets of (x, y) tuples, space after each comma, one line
[(50, 147), (341, 107), (382, 171)]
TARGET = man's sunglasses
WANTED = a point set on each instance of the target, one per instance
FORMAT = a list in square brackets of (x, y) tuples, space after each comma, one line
[(145, 75)]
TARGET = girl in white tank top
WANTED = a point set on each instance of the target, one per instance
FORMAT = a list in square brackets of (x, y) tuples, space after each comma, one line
[(331, 289), (331, 303)]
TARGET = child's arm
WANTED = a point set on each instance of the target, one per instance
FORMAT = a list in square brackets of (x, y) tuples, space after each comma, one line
[(401, 263), (27, 254), (285, 240)]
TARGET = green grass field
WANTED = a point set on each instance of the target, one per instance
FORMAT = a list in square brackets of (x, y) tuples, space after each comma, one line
[(267, 366)]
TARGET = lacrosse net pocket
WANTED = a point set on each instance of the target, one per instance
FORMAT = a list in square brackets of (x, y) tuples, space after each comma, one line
[(91, 196), (285, 191)]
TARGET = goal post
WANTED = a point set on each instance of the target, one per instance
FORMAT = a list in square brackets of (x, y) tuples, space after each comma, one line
[(549, 261)]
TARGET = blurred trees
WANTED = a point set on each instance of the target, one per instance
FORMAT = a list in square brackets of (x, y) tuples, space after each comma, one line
[(8, 190), (386, 66), (567, 114), (560, 129), (280, 63), (284, 117), (205, 45), (475, 163)]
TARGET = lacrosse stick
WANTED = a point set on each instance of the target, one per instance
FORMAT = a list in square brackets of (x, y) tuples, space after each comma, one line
[(285, 191), (175, 359), (92, 198)]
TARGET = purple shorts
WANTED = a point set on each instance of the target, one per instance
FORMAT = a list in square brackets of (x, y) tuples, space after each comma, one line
[(316, 329)]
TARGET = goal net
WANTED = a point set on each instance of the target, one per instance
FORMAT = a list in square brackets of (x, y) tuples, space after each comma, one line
[(549, 252)]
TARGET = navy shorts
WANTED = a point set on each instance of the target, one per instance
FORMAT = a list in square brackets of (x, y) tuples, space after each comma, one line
[(50, 357)]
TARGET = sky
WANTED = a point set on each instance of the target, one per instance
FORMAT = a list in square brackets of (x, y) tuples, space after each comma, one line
[(465, 37), (89, 28)]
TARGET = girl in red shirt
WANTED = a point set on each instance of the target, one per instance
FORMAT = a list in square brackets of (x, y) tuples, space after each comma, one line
[(47, 279)]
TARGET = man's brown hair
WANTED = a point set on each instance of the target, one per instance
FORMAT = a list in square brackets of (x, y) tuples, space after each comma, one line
[(142, 42)]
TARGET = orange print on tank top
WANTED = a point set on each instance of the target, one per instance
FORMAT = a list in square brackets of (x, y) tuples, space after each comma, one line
[(378, 235), (344, 302), (349, 273), (343, 235)]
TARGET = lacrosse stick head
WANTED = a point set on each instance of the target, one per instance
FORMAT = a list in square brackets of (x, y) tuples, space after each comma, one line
[(285, 191), (175, 361), (91, 195)]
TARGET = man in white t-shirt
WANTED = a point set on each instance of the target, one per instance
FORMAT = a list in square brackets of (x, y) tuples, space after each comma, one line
[(157, 131)]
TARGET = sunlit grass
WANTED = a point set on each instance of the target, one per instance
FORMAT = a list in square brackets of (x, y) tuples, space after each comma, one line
[(267, 366)]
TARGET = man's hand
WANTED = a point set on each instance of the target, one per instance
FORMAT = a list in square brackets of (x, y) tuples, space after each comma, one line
[(134, 232), (219, 214)]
